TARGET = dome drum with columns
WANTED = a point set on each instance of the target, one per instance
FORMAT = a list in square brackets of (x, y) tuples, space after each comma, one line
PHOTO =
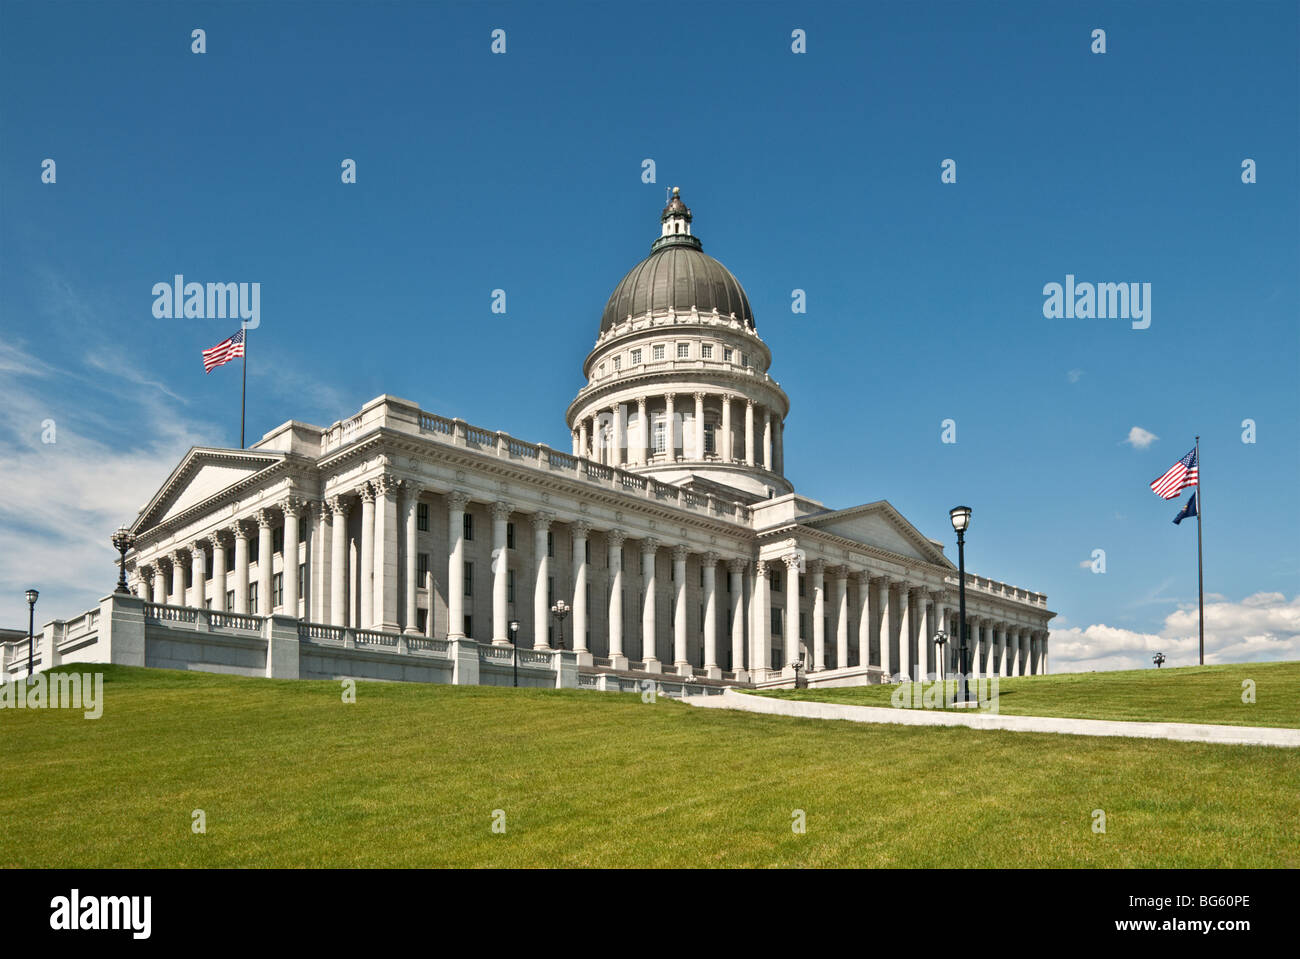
[(400, 543), (677, 383)]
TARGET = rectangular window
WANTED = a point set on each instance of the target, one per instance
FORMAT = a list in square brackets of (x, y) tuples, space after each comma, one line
[(207, 604), (706, 351), (710, 438), (468, 528), (776, 621), (510, 535), (618, 362), (277, 539), (230, 561), (776, 581), (683, 351), (657, 353), (588, 601), (550, 544), (253, 544), (587, 554), (277, 589), (701, 577), (469, 625), (550, 591), (744, 359), (802, 582), (302, 584), (726, 354), (421, 567), (230, 600), (701, 617), (803, 631), (636, 357), (469, 581), (422, 620), (660, 434), (189, 578), (252, 597), (422, 517), (207, 565), (510, 586)]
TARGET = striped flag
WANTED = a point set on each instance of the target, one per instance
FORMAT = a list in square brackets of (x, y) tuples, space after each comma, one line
[(223, 352), (1180, 476)]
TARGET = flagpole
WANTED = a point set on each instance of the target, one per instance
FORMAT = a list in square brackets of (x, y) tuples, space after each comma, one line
[(1200, 581), (243, 389)]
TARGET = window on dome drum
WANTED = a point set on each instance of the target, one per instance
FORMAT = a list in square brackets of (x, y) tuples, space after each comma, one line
[(706, 351), (657, 353), (422, 517), (601, 370), (726, 355), (710, 438), (683, 351), (618, 363), (660, 437), (744, 359), (636, 357)]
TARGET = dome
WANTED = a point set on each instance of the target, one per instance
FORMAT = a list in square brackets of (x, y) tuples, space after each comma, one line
[(677, 275)]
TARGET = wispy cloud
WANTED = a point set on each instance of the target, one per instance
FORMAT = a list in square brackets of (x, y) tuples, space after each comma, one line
[(1140, 439), (1074, 375)]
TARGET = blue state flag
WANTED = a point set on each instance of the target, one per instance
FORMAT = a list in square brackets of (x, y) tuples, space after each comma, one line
[(1188, 510)]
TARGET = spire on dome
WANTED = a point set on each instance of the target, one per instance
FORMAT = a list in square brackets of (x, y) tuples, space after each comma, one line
[(676, 218)]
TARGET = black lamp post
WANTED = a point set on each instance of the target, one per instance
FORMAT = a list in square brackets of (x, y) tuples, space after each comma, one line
[(939, 639), (1158, 659), (31, 632), (559, 611), (960, 516), (122, 540), (514, 642)]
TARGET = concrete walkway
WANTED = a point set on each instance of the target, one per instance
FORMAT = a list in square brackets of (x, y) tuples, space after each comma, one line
[(1185, 732)]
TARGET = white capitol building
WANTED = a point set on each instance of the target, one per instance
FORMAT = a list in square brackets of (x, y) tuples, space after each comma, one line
[(669, 529)]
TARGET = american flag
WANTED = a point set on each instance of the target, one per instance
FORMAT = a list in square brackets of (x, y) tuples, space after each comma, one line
[(1180, 476), (223, 352)]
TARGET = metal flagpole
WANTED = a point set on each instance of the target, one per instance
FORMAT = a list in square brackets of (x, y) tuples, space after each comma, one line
[(1200, 581), (243, 389)]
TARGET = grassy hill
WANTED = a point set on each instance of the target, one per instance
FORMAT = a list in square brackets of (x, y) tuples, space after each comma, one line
[(1190, 694), (410, 775)]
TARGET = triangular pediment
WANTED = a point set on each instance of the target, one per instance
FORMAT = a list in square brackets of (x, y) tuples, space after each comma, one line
[(881, 526), (202, 474)]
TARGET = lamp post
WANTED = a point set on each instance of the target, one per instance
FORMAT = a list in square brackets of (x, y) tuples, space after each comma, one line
[(960, 516), (796, 666), (122, 540), (514, 644), (1158, 659), (559, 611), (31, 632)]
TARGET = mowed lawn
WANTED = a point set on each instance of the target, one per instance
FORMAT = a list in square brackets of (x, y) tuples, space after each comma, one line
[(410, 775), (1189, 694)]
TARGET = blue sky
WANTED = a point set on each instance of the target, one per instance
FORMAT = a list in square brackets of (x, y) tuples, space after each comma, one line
[(818, 171)]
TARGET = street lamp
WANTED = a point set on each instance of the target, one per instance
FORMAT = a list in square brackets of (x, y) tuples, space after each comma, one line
[(122, 540), (939, 639), (1158, 659), (796, 666), (559, 611), (514, 643), (960, 516), (31, 632)]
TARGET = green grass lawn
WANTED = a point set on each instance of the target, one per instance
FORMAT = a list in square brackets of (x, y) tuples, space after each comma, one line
[(410, 774), (1191, 694)]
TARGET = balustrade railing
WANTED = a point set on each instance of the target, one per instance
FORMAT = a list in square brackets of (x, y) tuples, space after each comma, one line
[(173, 614), (235, 620)]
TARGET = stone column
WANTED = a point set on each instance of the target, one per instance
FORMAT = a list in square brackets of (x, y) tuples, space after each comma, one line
[(792, 635), (670, 427), (456, 503), (144, 574), (218, 571), (1046, 636), (778, 453), (385, 571), (619, 430), (290, 508), (999, 638), (265, 562), (724, 446), (580, 533), (159, 584), (680, 662), (885, 626), (240, 531), (582, 439), (939, 622), (767, 439), (644, 423), (749, 435), (198, 572), (865, 608), (906, 624), (924, 619), (649, 548), (339, 561), (841, 617), (818, 585), (760, 661), (699, 426), (736, 570), (177, 596), (1022, 661), (411, 548), (501, 575), (542, 566), (711, 667), (615, 538), (366, 556)]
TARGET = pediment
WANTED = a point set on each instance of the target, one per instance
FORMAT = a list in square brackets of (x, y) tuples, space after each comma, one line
[(881, 526), (202, 474)]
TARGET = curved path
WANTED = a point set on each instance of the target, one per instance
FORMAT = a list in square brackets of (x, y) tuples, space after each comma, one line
[(1186, 732)]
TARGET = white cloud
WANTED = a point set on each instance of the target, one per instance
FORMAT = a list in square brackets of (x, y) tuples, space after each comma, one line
[(1140, 439), (1262, 627), (1074, 375)]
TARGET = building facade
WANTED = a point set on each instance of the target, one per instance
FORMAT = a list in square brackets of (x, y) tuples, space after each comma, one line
[(669, 527)]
